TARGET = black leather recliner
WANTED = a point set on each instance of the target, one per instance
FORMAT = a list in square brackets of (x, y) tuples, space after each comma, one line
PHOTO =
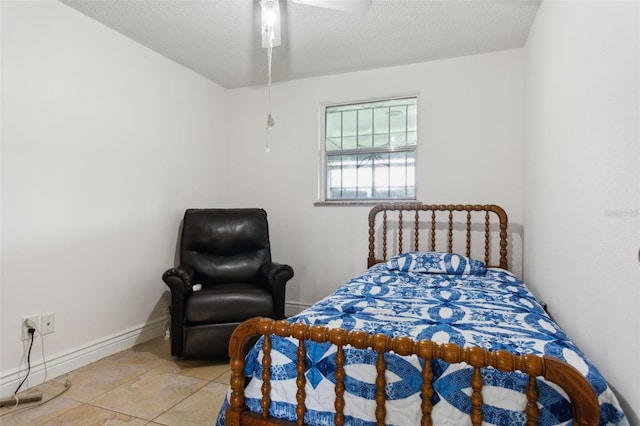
[(225, 276)]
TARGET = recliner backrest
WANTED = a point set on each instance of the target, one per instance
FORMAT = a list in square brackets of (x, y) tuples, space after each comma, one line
[(225, 245)]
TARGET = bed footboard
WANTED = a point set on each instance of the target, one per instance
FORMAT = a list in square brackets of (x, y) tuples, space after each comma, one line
[(584, 402)]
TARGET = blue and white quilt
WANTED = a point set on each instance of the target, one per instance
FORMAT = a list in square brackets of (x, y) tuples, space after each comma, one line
[(442, 297)]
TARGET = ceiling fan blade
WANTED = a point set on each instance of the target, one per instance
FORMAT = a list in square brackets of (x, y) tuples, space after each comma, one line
[(355, 6)]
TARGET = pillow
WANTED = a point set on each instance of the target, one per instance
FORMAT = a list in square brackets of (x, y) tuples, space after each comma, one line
[(433, 262)]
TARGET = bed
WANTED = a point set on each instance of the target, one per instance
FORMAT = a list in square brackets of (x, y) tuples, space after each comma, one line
[(437, 330)]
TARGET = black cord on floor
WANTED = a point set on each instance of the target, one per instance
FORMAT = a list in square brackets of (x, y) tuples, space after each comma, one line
[(32, 332)]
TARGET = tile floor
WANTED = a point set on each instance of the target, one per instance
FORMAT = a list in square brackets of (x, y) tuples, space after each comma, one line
[(143, 385)]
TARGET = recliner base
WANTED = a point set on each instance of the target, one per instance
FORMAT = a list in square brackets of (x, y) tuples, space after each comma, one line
[(209, 341)]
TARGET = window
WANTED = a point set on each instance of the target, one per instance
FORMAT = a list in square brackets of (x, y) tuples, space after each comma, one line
[(370, 150)]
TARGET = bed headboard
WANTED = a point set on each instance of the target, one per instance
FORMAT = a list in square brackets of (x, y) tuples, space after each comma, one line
[(452, 228)]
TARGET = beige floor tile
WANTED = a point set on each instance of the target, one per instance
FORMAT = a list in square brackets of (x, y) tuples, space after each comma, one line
[(88, 415), (149, 395), (143, 385), (157, 346), (225, 377), (53, 387), (155, 354), (98, 378), (31, 414), (201, 369), (201, 408)]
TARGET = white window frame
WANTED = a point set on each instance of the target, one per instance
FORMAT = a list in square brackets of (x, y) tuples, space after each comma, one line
[(323, 199)]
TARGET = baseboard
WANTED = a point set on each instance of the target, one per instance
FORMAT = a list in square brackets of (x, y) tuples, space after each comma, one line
[(293, 308), (62, 363)]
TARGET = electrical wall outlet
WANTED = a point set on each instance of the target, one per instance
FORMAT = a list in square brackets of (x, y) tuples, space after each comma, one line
[(30, 321), (48, 323)]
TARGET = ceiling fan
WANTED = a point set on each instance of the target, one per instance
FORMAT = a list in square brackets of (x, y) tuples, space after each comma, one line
[(271, 14), (270, 31)]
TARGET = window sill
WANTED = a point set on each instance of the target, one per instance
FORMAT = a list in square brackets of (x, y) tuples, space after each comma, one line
[(354, 203)]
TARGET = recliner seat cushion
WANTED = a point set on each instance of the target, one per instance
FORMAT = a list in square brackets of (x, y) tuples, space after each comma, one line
[(224, 303), (231, 268)]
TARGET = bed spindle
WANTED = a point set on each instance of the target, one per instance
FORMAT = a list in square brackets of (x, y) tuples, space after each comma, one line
[(487, 224), (416, 228), (338, 338), (477, 358), (381, 383), (468, 252), (427, 351), (450, 246), (433, 230), (476, 397), (372, 241), (340, 389), (427, 393), (301, 381), (400, 232), (379, 344), (266, 376), (532, 410), (384, 235), (503, 242)]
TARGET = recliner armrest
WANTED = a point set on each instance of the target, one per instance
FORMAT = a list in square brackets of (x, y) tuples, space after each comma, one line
[(180, 281), (276, 276), (180, 276), (274, 272)]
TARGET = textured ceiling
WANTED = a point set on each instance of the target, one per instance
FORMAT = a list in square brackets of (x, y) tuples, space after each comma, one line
[(220, 39)]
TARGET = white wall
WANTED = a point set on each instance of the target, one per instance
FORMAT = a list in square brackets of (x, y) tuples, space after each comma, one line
[(582, 162), (104, 144), (469, 108)]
